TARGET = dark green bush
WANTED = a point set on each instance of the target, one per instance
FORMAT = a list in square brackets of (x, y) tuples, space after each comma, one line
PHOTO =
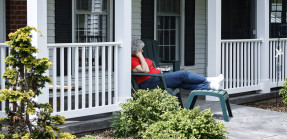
[(156, 114)]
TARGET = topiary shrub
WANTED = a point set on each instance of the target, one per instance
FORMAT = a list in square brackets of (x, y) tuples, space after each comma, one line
[(25, 78), (186, 124), (156, 114), (138, 114)]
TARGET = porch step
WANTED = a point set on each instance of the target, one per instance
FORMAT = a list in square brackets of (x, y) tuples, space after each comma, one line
[(87, 124), (248, 97)]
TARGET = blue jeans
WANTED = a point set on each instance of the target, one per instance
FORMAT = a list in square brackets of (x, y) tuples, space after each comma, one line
[(178, 79)]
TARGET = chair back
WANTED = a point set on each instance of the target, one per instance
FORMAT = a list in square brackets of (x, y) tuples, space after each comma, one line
[(151, 51)]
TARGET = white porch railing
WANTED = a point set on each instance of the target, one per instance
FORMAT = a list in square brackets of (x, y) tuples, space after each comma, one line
[(278, 69), (240, 65), (89, 83)]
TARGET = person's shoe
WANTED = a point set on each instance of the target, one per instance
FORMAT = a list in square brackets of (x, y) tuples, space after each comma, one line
[(215, 85), (216, 82)]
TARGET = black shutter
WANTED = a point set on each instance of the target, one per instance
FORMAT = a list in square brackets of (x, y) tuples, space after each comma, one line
[(189, 49), (147, 19), (63, 28)]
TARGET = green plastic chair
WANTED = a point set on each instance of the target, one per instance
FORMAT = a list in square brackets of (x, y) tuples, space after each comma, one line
[(151, 51)]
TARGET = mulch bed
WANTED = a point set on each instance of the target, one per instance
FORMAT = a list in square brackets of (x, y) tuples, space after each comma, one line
[(272, 104)]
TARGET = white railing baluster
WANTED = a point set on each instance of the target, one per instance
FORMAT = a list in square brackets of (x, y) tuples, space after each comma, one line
[(222, 61), (116, 74), (76, 78), (110, 75), (234, 65), (280, 62), (90, 77), (97, 98), (83, 77), (256, 63), (227, 65), (259, 63), (248, 65), (252, 62), (103, 76), (274, 62), (230, 65), (237, 67), (245, 63), (62, 103), (55, 79), (270, 60), (241, 63), (285, 59), (69, 79)]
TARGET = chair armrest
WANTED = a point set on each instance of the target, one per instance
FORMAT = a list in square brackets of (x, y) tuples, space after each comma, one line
[(160, 75), (176, 64)]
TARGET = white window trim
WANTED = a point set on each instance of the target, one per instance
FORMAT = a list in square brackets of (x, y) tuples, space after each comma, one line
[(2, 21), (181, 32)]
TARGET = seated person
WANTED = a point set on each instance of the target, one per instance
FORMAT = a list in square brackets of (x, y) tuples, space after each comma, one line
[(178, 79)]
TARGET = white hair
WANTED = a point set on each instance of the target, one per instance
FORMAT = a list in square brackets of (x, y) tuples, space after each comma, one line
[(137, 45)]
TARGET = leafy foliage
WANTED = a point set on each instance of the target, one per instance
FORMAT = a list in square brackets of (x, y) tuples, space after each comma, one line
[(186, 124), (283, 92), (137, 115), (156, 114), (25, 75)]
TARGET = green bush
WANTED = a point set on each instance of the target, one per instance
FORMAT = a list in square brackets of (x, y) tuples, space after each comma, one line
[(156, 114), (283, 92), (137, 115), (186, 124)]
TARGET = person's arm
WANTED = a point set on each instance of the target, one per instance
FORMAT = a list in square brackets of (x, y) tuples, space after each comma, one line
[(143, 67)]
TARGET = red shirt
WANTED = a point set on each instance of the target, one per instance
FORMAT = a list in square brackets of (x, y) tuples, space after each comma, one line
[(152, 70)]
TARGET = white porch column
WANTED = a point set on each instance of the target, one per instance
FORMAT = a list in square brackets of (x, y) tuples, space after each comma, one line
[(123, 27), (263, 33), (37, 17), (213, 39), (2, 22)]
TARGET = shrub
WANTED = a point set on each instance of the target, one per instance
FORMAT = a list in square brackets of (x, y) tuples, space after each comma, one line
[(137, 115), (25, 76), (156, 114), (283, 92), (186, 124)]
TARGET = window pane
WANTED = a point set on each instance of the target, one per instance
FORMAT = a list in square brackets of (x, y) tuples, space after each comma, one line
[(272, 16), (92, 5), (278, 17), (91, 28)]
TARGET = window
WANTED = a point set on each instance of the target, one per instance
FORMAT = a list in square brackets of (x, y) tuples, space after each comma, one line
[(278, 24), (168, 16), (91, 21)]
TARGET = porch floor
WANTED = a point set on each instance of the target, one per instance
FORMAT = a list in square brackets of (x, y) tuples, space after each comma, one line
[(248, 122)]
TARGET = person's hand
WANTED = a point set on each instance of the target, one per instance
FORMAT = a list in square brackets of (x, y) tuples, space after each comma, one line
[(139, 54)]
